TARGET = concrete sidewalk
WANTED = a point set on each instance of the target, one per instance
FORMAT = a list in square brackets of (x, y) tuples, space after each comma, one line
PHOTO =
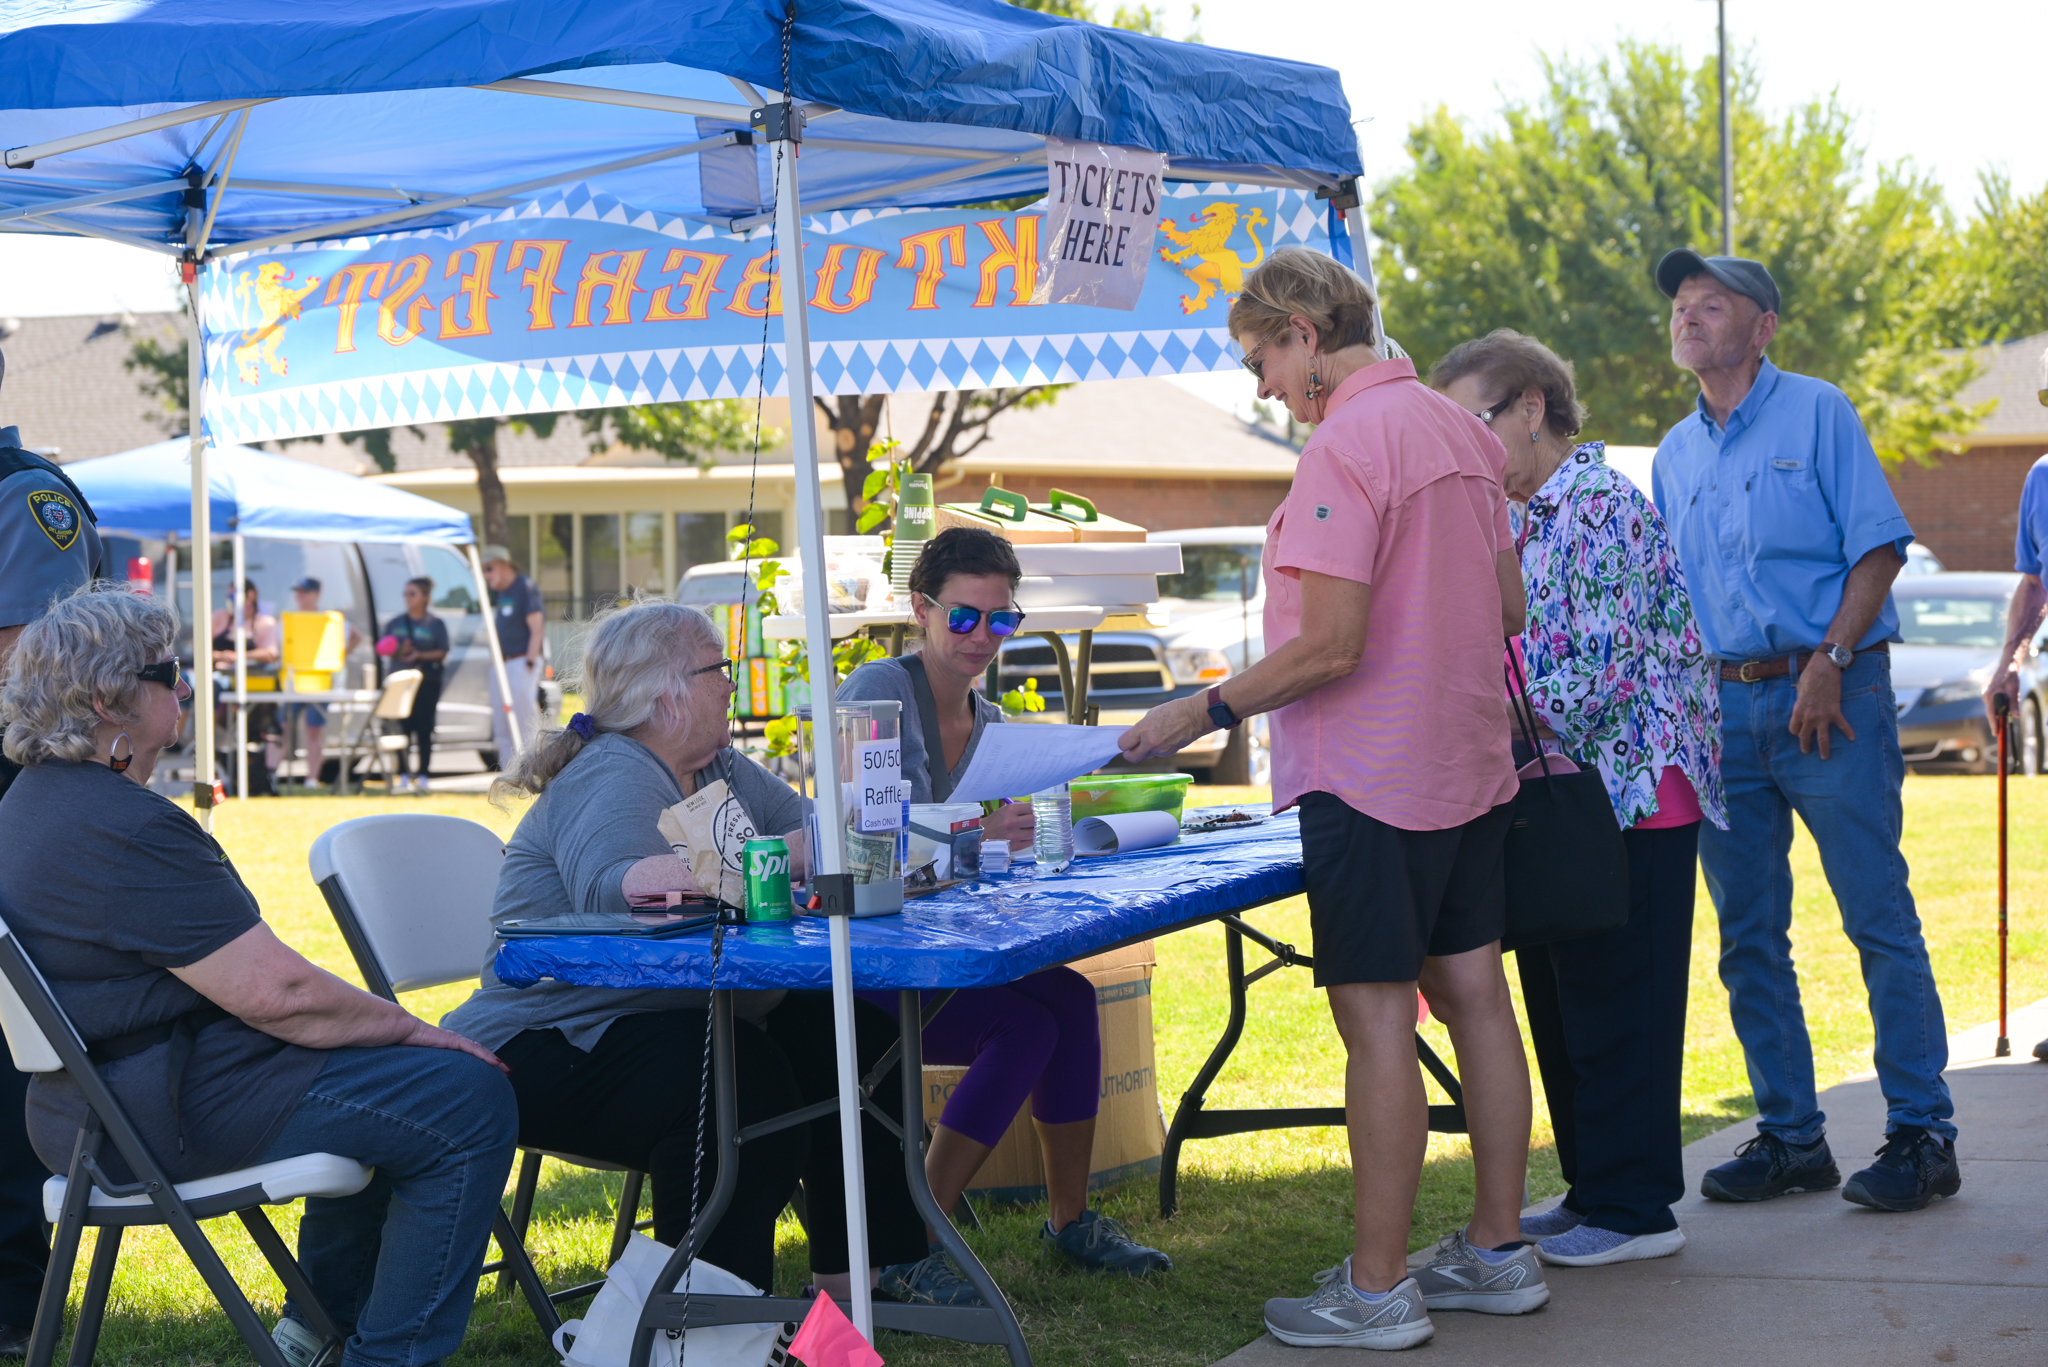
[(1812, 1279)]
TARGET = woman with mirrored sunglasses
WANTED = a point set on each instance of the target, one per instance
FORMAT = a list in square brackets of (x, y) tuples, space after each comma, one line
[(1038, 1037)]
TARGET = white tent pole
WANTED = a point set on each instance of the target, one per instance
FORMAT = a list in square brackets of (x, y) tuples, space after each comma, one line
[(483, 588), (830, 856), (237, 615), (28, 156), (202, 575)]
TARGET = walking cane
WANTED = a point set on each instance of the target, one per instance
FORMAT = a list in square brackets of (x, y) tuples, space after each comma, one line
[(2002, 705)]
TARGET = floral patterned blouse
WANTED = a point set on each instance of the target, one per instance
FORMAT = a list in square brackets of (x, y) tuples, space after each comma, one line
[(1616, 666)]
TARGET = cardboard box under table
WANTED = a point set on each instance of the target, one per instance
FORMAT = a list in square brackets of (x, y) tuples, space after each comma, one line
[(1130, 1129)]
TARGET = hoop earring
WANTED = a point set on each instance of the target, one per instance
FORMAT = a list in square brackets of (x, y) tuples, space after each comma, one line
[(119, 763)]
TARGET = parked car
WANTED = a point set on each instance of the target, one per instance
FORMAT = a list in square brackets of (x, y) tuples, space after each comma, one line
[(1216, 605), (1951, 628)]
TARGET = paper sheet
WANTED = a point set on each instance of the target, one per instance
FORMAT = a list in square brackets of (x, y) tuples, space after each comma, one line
[(1018, 759), (1123, 832)]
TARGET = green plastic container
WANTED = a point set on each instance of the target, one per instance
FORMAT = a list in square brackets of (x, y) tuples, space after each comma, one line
[(1109, 794)]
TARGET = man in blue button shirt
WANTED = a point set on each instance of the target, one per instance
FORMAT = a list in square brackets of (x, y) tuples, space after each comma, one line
[(1790, 539)]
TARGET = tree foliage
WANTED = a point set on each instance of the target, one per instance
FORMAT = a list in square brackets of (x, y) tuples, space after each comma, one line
[(1554, 224)]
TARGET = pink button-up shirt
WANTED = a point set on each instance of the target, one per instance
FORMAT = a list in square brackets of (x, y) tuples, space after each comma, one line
[(1400, 489)]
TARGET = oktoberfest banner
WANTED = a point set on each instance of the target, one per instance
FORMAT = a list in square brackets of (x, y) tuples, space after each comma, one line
[(578, 301)]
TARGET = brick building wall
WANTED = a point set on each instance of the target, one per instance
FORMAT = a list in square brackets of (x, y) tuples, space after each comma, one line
[(1156, 504), (1966, 509)]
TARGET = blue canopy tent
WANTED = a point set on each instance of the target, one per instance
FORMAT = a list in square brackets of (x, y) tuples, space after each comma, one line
[(204, 129)]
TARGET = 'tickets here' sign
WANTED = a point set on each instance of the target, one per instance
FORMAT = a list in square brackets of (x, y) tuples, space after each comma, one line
[(1103, 211)]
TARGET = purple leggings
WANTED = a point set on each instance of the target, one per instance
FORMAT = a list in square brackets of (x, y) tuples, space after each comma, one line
[(1038, 1037)]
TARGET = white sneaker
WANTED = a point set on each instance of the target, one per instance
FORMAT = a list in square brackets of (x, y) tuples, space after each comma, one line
[(419, 785), (301, 1346)]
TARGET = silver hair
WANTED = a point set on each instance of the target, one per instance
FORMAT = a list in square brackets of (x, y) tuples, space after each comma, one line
[(84, 650), (636, 668)]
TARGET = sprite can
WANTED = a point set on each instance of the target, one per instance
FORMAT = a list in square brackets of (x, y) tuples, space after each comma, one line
[(767, 863)]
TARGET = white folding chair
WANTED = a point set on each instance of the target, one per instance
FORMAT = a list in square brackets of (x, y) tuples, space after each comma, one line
[(412, 895), (394, 703), (42, 1040)]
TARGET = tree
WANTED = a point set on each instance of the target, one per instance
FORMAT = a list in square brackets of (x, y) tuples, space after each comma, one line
[(1554, 226), (1996, 287)]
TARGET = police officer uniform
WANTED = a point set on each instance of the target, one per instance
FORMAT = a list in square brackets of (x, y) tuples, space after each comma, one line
[(49, 546)]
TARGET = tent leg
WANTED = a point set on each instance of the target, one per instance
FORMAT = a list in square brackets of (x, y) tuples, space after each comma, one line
[(203, 771), (238, 614), (830, 856), (483, 589)]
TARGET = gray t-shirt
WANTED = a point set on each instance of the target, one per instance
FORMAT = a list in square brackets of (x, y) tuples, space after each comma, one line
[(593, 821), (109, 886), (889, 679)]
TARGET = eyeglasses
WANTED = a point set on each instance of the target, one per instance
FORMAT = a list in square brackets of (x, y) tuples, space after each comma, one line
[(1258, 368), (1001, 622), (721, 666), (1492, 411), (167, 673)]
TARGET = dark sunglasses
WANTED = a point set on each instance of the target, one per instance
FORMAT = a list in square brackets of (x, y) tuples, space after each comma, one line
[(165, 672), (1001, 622), (1258, 368), (721, 666)]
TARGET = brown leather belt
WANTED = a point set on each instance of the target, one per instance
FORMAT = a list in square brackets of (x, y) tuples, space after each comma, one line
[(1756, 671)]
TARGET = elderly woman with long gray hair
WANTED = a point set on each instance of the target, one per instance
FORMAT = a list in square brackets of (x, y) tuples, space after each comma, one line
[(614, 1073), (154, 947)]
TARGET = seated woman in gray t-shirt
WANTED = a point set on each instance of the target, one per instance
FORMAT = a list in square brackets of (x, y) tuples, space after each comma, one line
[(612, 1073)]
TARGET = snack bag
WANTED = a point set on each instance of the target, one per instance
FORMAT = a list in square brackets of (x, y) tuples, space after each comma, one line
[(708, 830)]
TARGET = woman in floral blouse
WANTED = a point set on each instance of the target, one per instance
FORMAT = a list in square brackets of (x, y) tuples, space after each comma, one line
[(1620, 682)]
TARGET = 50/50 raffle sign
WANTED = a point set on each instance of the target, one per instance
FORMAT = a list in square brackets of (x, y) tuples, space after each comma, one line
[(582, 302)]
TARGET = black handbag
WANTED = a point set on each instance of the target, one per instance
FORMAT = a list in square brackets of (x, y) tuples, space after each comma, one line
[(1566, 864)]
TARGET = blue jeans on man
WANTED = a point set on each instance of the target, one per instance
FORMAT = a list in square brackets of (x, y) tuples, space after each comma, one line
[(1850, 803), (396, 1264)]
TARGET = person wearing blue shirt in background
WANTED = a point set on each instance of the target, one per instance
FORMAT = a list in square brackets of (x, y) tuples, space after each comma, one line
[(2030, 601), (423, 645), (1790, 539)]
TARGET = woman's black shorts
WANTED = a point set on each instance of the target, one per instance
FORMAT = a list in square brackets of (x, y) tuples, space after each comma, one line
[(1381, 899)]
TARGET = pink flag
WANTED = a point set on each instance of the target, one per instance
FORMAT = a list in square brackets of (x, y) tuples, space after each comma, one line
[(828, 1339)]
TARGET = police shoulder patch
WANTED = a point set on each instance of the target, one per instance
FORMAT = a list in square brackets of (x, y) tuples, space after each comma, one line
[(57, 515)]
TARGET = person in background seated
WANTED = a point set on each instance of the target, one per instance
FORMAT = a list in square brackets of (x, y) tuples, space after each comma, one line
[(520, 616), (423, 645), (613, 1073), (1616, 672), (265, 642), (1036, 1038), (311, 715), (147, 934)]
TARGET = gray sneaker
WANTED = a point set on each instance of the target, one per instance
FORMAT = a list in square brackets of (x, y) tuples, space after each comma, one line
[(1456, 1278), (301, 1346), (1339, 1315)]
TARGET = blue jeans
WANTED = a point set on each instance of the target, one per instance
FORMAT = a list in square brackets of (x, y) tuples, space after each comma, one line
[(396, 1264), (1850, 804)]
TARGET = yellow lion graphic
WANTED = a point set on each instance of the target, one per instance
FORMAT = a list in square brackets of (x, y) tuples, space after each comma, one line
[(275, 303), (1207, 241)]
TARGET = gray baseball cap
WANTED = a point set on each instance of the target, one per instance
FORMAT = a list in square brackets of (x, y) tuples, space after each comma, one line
[(1747, 278), (488, 554)]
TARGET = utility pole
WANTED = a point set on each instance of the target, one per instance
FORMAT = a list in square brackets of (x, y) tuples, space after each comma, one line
[(1727, 142)]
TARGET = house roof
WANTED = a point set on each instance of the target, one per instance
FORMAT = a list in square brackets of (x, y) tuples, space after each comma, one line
[(2013, 376), (1147, 427), (66, 388)]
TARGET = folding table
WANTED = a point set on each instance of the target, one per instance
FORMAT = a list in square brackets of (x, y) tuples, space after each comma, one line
[(975, 935)]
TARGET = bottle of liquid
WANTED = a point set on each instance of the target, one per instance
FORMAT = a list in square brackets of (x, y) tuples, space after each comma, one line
[(915, 524), (1052, 830)]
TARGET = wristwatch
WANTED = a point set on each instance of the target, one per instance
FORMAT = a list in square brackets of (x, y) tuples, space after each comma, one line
[(1838, 656), (1219, 710)]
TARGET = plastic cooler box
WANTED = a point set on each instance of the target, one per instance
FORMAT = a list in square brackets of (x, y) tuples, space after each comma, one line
[(1109, 794)]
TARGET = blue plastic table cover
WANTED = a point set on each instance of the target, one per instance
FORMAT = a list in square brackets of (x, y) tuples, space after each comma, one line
[(974, 935)]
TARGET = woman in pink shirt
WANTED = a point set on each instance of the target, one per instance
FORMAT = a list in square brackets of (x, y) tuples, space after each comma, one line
[(1616, 672), (1391, 581)]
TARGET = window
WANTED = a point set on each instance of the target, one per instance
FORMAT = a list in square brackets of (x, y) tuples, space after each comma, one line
[(1214, 574), (700, 539), (454, 584), (553, 558), (643, 552), (519, 532), (1930, 620), (600, 561)]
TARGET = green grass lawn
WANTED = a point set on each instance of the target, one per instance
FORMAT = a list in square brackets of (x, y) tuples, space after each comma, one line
[(1259, 1213)]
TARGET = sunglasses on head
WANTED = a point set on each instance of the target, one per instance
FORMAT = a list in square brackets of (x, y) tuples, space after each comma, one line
[(1001, 622)]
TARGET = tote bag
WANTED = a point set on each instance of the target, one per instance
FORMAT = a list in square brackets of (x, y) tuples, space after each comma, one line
[(604, 1336), (1566, 865)]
